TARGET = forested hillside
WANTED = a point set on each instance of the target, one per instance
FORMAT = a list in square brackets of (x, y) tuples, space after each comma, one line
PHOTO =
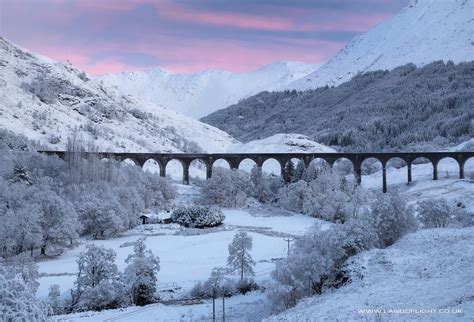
[(408, 108)]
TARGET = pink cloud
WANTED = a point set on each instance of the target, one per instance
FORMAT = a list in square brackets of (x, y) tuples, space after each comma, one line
[(180, 51), (234, 55), (231, 20)]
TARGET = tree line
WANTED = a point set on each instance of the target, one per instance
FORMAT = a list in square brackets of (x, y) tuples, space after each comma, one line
[(408, 108)]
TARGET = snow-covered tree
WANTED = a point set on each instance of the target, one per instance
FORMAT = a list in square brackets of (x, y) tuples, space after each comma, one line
[(293, 196), (329, 196), (288, 171), (40, 196), (140, 274), (24, 267), (17, 300), (435, 213), (261, 189), (58, 220), (54, 300), (198, 216), (312, 171), (391, 217), (226, 188), (100, 212), (310, 267), (300, 172), (218, 283), (239, 259), (97, 285), (317, 261)]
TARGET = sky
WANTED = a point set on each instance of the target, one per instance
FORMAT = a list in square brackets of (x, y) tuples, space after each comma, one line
[(109, 36)]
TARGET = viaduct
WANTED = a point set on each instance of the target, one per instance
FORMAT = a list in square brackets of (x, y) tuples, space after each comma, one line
[(235, 159)]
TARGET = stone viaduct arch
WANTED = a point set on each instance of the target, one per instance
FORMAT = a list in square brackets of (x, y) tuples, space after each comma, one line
[(234, 160)]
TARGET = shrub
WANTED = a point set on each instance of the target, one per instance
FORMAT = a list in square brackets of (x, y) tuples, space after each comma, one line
[(197, 291), (318, 259), (218, 284), (463, 218), (311, 267), (434, 213), (198, 216), (246, 285), (17, 300), (391, 218)]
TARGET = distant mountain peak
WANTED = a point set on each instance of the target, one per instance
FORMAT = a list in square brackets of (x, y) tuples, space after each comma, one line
[(199, 94)]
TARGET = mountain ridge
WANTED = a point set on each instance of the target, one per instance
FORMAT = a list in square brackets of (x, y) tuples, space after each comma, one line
[(198, 94), (47, 101), (423, 32)]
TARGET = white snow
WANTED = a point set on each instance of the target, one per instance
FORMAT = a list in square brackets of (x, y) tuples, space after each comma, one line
[(249, 307), (281, 143), (22, 112), (197, 95), (423, 32), (426, 270), (408, 275), (448, 186), (188, 255)]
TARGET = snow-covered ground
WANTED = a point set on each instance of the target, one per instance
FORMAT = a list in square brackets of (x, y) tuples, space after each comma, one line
[(73, 100), (428, 274), (249, 307), (423, 187), (407, 275), (188, 255)]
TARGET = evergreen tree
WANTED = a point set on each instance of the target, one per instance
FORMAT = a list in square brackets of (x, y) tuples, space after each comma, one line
[(140, 274), (260, 185), (288, 171), (300, 172), (239, 259), (54, 300)]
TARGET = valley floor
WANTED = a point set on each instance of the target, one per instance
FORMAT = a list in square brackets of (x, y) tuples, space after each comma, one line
[(429, 269)]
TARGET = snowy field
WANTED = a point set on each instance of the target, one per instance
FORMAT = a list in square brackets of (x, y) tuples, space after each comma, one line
[(188, 255), (250, 307)]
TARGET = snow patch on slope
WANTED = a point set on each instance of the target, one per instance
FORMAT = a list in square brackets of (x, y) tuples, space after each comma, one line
[(282, 143), (429, 269), (423, 32), (200, 94)]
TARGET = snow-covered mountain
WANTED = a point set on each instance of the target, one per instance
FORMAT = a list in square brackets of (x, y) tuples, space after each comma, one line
[(423, 32), (46, 100), (200, 94)]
